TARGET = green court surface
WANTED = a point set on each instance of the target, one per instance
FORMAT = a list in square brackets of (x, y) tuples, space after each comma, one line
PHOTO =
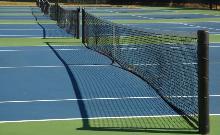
[(73, 127), (38, 41), (60, 41), (26, 22), (15, 14), (214, 38)]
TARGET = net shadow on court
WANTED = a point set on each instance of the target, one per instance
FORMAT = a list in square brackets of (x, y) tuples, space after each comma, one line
[(112, 99), (49, 29)]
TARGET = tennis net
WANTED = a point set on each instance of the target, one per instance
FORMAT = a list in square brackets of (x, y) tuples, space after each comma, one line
[(170, 62), (66, 19)]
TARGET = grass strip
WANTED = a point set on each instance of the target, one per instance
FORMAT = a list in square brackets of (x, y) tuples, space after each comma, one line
[(38, 41), (214, 38), (15, 14), (74, 128), (26, 21)]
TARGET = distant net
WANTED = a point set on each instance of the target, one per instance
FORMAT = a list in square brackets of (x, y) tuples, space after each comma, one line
[(69, 20), (167, 61), (66, 19), (53, 11)]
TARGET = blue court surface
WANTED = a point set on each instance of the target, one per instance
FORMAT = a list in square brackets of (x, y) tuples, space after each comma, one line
[(34, 78), (16, 17), (212, 27), (172, 16), (31, 31), (36, 84)]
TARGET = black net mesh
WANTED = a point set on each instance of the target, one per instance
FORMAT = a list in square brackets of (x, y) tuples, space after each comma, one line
[(167, 61), (66, 19), (53, 11)]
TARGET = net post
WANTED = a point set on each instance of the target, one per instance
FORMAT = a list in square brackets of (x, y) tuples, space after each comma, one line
[(37, 3), (57, 11), (83, 26), (46, 7), (77, 23), (203, 94), (114, 41), (210, 4)]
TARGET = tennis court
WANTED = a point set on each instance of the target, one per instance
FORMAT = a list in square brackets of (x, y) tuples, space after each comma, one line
[(53, 84)]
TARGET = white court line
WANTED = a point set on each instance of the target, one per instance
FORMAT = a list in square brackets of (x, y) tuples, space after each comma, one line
[(31, 67), (22, 46), (13, 67), (10, 50), (91, 65), (88, 99), (214, 42), (42, 66), (25, 29), (214, 95), (61, 45), (130, 48), (96, 118), (14, 50), (92, 118), (22, 29), (214, 21), (189, 27), (145, 64), (190, 63), (91, 99), (68, 49), (214, 32), (214, 114), (148, 64), (17, 35), (214, 46)]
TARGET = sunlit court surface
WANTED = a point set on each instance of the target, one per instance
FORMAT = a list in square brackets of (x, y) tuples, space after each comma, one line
[(80, 67)]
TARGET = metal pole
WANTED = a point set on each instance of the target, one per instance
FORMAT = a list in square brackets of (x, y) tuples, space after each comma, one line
[(203, 81)]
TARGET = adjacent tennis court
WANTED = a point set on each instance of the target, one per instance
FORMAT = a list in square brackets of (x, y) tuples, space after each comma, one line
[(89, 69)]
